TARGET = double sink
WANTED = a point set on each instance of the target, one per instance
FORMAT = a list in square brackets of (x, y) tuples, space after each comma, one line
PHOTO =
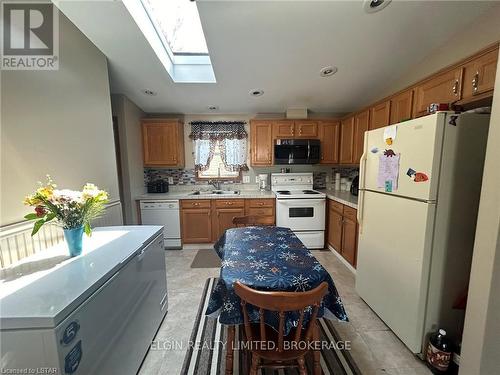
[(215, 192)]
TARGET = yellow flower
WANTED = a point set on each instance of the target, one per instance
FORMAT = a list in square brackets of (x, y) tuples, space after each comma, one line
[(45, 191)]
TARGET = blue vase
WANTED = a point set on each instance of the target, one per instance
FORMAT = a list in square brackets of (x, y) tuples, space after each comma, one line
[(74, 239)]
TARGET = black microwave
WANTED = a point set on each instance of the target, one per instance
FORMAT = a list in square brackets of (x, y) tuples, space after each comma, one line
[(296, 151)]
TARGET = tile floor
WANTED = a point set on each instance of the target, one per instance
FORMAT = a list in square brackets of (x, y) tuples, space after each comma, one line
[(375, 349)]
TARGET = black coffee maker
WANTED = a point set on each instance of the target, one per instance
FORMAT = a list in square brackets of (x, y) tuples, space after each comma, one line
[(355, 186)]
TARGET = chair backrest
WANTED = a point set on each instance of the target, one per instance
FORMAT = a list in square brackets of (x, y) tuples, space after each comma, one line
[(281, 302), (253, 220)]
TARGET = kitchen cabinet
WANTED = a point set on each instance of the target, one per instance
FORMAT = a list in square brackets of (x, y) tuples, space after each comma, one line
[(329, 135), (163, 143), (346, 140), (343, 230), (196, 221), (261, 207), (205, 220), (442, 88), (306, 129), (224, 212), (479, 74), (261, 143), (284, 129), (335, 229), (380, 115), (361, 125), (401, 107)]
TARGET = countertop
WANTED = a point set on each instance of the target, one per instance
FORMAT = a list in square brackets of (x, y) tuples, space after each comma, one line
[(41, 290), (244, 194), (343, 197)]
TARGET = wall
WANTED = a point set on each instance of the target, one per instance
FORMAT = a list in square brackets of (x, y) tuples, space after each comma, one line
[(186, 176), (481, 338), (128, 117), (481, 33), (57, 122)]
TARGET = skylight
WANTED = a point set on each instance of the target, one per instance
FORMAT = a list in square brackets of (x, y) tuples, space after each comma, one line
[(179, 22)]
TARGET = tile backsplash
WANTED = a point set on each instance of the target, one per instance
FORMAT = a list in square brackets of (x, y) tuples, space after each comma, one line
[(186, 177)]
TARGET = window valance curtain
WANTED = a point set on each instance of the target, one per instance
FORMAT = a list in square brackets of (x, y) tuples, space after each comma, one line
[(231, 137)]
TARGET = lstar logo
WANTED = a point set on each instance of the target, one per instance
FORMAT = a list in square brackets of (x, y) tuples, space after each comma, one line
[(30, 36)]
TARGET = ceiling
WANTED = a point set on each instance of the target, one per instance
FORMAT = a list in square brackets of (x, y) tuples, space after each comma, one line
[(279, 47)]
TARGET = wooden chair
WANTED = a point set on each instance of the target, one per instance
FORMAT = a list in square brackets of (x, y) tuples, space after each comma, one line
[(293, 355), (242, 221)]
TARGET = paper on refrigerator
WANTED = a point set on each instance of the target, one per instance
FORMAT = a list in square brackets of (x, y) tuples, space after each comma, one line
[(388, 170)]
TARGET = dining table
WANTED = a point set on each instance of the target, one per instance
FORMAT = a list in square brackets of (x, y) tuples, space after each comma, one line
[(266, 258)]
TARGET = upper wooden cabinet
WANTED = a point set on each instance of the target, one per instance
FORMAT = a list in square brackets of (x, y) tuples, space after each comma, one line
[(380, 115), (442, 88), (329, 135), (361, 125), (261, 143), (346, 140), (306, 129), (401, 106), (295, 129), (479, 74), (284, 129), (163, 142)]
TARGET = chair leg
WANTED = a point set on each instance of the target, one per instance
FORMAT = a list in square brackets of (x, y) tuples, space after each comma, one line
[(255, 364), (316, 353), (302, 366)]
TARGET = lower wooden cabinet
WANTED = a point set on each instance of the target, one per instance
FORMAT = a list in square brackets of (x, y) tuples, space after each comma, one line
[(196, 225), (205, 220), (343, 231), (335, 230), (223, 220)]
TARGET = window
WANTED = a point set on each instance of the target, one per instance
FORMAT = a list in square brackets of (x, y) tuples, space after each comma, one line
[(217, 169), (179, 22), (173, 30)]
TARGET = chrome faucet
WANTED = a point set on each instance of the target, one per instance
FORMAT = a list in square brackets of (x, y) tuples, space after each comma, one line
[(215, 184)]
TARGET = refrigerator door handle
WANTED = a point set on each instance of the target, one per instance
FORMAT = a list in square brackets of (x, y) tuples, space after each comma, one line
[(362, 163), (359, 213)]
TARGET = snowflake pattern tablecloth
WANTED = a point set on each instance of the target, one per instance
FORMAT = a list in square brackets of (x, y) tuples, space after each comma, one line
[(268, 259)]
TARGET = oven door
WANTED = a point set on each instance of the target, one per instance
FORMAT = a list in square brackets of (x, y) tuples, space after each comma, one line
[(301, 214)]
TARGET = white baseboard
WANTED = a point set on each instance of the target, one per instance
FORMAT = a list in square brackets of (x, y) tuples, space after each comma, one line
[(341, 258)]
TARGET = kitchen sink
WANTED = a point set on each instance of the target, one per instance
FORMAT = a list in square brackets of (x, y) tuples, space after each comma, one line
[(216, 192)]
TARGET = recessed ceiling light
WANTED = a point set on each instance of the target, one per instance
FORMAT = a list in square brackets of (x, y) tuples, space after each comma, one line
[(213, 108), (372, 6), (328, 71), (257, 92), (149, 92)]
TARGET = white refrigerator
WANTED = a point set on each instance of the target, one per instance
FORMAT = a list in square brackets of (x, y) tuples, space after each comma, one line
[(417, 212)]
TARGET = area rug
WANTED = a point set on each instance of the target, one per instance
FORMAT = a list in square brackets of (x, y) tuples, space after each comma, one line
[(206, 258), (206, 354)]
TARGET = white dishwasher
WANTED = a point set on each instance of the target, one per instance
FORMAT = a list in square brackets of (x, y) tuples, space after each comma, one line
[(166, 213)]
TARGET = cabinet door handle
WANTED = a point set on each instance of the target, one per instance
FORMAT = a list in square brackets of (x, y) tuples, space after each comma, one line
[(261, 203), (196, 204), (455, 87), (475, 82)]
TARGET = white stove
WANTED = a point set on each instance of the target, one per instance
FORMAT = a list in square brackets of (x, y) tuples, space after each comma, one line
[(299, 207)]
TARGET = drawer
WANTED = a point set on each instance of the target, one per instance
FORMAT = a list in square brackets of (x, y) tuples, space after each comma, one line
[(336, 206), (258, 203), (350, 213), (221, 203), (265, 211), (195, 203)]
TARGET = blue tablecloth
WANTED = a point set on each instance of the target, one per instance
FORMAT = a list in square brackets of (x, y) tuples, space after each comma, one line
[(269, 259)]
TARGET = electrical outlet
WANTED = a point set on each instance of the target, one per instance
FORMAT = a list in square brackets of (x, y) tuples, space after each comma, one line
[(246, 179), (171, 180), (256, 179)]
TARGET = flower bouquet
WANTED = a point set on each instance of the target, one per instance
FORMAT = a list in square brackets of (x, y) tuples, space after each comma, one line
[(73, 210)]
